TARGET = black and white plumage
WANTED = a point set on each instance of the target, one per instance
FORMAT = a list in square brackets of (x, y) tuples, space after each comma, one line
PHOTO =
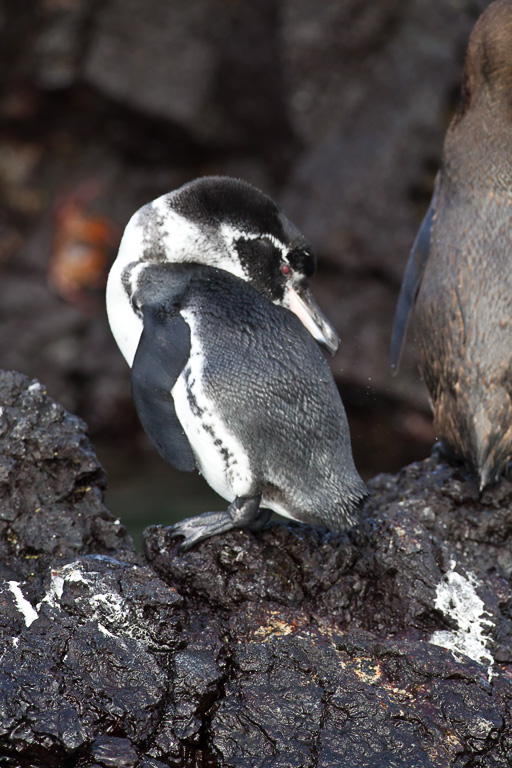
[(209, 303)]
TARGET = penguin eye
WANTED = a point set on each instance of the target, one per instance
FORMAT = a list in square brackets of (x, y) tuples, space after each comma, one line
[(285, 269)]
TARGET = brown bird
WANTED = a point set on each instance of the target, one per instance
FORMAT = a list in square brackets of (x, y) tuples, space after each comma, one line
[(459, 273)]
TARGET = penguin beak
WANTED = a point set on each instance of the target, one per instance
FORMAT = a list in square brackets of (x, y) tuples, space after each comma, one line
[(302, 303)]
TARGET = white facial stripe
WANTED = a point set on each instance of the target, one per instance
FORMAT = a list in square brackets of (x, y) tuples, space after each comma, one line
[(220, 455), (231, 234)]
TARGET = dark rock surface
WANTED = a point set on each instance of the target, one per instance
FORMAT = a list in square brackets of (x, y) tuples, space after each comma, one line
[(51, 487), (388, 646)]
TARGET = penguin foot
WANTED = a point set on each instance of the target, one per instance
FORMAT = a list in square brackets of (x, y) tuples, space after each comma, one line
[(241, 513)]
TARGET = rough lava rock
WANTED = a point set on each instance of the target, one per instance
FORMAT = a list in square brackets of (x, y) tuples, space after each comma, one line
[(387, 646), (51, 487)]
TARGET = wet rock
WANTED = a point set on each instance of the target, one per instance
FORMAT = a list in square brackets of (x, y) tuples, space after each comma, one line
[(359, 650), (51, 487), (388, 645)]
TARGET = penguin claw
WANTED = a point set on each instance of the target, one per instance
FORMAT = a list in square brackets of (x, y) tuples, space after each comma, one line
[(195, 529), (241, 513)]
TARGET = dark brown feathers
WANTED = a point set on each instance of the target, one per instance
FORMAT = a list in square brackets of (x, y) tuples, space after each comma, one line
[(463, 308)]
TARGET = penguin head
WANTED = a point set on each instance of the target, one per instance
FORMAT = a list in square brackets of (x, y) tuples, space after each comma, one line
[(488, 65), (229, 224)]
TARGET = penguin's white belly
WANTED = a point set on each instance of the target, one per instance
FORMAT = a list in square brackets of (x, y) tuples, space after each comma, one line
[(220, 456)]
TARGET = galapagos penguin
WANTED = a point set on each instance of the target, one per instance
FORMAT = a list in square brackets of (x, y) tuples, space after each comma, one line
[(459, 273), (208, 301)]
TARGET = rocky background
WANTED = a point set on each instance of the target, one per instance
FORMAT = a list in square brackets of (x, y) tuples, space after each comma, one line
[(389, 646), (337, 109)]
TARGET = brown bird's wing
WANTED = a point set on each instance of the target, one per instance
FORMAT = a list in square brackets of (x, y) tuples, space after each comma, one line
[(411, 283)]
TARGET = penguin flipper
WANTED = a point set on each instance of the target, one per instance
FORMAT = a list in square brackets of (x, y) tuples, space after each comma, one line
[(411, 283), (161, 356)]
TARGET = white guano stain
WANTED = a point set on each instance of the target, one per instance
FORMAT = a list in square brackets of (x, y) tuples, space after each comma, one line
[(68, 572), (110, 606), (24, 607), (105, 607), (456, 598), (105, 631)]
